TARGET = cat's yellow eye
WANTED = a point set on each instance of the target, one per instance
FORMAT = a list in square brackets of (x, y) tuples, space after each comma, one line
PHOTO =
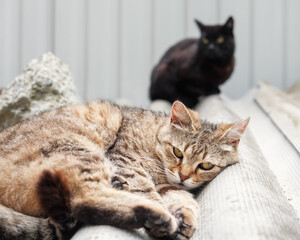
[(205, 40), (206, 166), (220, 40), (177, 152)]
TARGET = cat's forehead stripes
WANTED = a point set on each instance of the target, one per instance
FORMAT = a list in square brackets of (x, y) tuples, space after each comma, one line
[(196, 142), (208, 126), (200, 149), (207, 131), (188, 145), (202, 138)]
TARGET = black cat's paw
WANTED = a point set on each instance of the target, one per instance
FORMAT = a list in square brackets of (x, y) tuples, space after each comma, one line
[(157, 222), (120, 183)]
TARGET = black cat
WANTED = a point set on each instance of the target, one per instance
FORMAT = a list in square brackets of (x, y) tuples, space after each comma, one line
[(195, 67)]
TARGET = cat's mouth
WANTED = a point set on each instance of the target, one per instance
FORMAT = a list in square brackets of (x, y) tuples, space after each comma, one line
[(181, 186), (174, 180)]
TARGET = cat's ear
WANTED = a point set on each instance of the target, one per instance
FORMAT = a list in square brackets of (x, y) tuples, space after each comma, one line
[(180, 115), (229, 24), (234, 133), (199, 24)]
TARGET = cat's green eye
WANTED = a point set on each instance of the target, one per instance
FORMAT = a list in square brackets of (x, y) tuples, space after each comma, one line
[(206, 166), (205, 40), (220, 40), (177, 152)]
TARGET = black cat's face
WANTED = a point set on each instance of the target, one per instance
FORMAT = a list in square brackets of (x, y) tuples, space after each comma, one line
[(216, 42)]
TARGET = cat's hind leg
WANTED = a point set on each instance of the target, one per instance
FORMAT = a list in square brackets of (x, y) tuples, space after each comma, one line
[(123, 209), (98, 203)]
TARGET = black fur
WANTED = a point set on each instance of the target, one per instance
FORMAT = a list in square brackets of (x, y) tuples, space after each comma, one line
[(54, 197), (92, 215), (195, 67)]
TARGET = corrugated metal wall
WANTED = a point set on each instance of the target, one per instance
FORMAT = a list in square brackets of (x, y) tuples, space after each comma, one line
[(112, 45)]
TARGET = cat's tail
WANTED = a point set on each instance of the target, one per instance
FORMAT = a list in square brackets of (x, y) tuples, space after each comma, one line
[(59, 225), (14, 225)]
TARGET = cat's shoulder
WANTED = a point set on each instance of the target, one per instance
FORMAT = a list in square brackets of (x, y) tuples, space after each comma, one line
[(184, 48), (188, 42)]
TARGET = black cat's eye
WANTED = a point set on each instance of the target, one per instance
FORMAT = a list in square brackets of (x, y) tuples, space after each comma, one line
[(206, 166), (177, 152), (205, 40), (220, 40)]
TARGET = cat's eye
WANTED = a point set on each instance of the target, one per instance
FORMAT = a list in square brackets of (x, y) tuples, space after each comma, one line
[(220, 40), (205, 40), (177, 152), (206, 166)]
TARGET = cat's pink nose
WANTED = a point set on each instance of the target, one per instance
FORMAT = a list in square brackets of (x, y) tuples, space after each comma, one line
[(182, 177)]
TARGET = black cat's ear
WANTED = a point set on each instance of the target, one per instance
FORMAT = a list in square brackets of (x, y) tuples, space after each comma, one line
[(199, 24), (229, 23), (180, 115)]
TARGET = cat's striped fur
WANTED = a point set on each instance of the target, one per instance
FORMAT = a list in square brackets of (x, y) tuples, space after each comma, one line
[(99, 163)]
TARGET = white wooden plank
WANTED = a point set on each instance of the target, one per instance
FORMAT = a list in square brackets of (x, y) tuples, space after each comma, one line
[(282, 110), (206, 11), (70, 38), (136, 50), (292, 42), (241, 79), (169, 25), (35, 29), (103, 50), (268, 42), (9, 41)]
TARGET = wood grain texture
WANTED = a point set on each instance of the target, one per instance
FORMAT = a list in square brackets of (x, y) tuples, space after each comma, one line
[(35, 29), (268, 41), (10, 64), (103, 38), (135, 52), (292, 41), (168, 25), (241, 79), (70, 38)]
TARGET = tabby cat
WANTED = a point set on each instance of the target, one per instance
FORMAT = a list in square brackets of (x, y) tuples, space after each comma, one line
[(195, 67), (100, 163)]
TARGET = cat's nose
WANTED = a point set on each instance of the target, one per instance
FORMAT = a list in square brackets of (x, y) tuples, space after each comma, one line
[(183, 177)]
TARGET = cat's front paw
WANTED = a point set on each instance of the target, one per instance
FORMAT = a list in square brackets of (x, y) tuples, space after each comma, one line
[(187, 222), (157, 222)]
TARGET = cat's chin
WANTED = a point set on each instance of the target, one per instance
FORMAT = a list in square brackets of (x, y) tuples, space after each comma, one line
[(173, 180), (181, 186)]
